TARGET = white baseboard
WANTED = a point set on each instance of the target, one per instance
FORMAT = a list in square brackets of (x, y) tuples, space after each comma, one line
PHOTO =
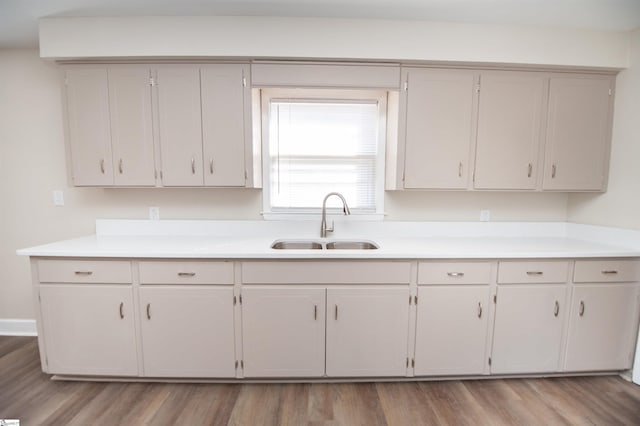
[(18, 327)]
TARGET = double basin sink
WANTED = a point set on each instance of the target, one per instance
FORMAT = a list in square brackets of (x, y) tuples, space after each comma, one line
[(322, 245)]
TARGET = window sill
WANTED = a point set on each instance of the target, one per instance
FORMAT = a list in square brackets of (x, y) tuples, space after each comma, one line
[(334, 215)]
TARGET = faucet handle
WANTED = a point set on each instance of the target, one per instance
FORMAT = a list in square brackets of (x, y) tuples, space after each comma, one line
[(332, 227)]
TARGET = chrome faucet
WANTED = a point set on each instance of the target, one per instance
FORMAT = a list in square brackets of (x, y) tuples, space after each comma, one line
[(323, 224)]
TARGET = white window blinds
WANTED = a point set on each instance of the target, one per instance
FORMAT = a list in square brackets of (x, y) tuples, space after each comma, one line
[(318, 146)]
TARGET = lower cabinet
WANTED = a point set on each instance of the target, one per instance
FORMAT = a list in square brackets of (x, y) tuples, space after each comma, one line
[(283, 331), (451, 330), (528, 328), (602, 327), (367, 331), (89, 329), (187, 331)]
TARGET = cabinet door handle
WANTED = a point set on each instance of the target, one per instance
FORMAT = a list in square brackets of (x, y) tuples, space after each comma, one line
[(121, 310), (83, 272), (120, 166), (102, 165), (460, 169), (455, 274), (479, 310), (336, 314), (556, 309), (193, 166), (211, 165), (582, 308), (148, 311), (530, 170), (609, 272), (537, 273), (553, 171), (186, 274), (315, 312)]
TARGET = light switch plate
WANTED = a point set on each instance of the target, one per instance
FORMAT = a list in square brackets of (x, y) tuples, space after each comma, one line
[(154, 213), (58, 198)]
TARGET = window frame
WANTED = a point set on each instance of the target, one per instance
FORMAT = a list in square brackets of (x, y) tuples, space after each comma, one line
[(380, 96)]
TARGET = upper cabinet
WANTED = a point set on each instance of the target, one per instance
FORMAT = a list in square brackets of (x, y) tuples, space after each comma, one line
[(578, 132), (509, 128), (88, 126), (502, 130), (201, 135), (438, 127), (109, 123), (179, 118)]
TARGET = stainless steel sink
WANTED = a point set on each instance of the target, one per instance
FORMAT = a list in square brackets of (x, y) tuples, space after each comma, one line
[(329, 245), (296, 245), (351, 245)]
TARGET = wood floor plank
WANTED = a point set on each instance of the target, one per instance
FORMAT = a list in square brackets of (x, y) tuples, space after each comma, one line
[(31, 396)]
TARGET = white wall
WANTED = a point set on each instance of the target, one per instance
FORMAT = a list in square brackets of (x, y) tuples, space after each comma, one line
[(271, 37), (32, 165), (620, 205)]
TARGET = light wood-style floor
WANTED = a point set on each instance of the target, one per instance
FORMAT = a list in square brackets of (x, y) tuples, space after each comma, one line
[(29, 395)]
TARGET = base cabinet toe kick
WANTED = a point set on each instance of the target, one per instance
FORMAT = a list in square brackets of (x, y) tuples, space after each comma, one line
[(323, 320)]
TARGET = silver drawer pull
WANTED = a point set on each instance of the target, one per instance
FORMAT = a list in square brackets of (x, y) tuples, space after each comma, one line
[(186, 274), (556, 309), (553, 171), (582, 308), (460, 169), (211, 166), (479, 310), (102, 165), (83, 272), (538, 273), (336, 313), (193, 166), (120, 166), (455, 274), (121, 310), (609, 272), (315, 312), (148, 311), (529, 170)]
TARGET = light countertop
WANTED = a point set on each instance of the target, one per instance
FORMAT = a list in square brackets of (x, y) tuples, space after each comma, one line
[(396, 240)]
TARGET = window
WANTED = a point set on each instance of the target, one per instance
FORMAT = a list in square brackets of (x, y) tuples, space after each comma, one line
[(320, 141)]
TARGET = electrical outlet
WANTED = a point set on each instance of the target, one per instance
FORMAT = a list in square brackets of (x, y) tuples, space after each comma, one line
[(154, 213), (485, 215), (58, 198)]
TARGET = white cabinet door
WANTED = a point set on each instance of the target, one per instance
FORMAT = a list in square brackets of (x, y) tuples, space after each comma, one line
[(451, 330), (509, 130), (131, 126), (89, 329), (367, 331), (528, 327), (88, 130), (187, 331), (180, 123), (602, 327), (439, 127), (578, 133), (283, 331), (223, 123)]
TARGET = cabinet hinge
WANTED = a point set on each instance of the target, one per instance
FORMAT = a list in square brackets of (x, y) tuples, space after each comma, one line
[(413, 362), (489, 360), (406, 86), (244, 81), (495, 298)]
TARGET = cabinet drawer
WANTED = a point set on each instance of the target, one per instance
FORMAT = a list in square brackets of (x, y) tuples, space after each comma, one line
[(454, 273), (598, 271), (552, 271), (179, 272), (351, 272), (84, 271)]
